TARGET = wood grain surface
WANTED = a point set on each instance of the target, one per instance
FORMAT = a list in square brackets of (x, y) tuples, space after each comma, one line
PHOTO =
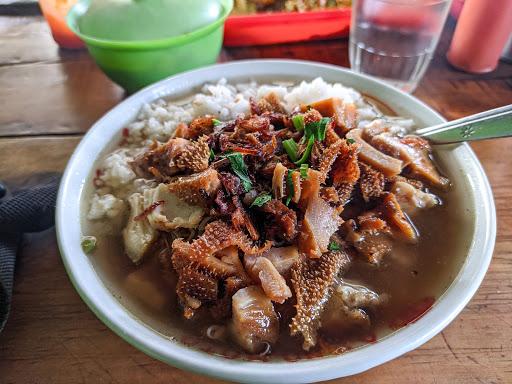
[(50, 97)]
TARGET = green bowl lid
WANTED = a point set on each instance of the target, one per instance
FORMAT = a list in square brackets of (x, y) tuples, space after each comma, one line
[(146, 20)]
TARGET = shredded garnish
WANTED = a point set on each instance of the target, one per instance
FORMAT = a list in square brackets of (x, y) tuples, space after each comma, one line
[(351, 141), (238, 165), (212, 155), (291, 148), (317, 128), (298, 122), (307, 152), (304, 171), (333, 246), (261, 199), (216, 122), (289, 186)]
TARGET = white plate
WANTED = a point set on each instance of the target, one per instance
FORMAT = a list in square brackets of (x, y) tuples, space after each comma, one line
[(464, 168)]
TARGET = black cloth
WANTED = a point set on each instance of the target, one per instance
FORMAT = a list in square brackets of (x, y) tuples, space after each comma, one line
[(31, 209)]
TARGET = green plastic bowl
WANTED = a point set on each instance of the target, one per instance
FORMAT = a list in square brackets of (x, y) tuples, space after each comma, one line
[(135, 64)]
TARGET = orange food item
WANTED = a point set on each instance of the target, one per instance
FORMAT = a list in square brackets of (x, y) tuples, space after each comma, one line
[(55, 12)]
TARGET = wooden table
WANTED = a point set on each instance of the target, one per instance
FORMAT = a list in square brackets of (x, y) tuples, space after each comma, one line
[(49, 98)]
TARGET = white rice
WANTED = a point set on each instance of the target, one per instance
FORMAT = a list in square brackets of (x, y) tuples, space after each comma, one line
[(158, 121)]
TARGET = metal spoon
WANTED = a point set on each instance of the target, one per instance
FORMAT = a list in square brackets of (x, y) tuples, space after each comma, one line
[(486, 125)]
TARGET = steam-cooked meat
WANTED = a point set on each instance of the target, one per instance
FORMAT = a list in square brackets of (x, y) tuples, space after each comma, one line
[(255, 323), (312, 282)]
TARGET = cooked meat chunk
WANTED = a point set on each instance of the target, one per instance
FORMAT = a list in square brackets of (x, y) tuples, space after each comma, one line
[(371, 238), (165, 211), (412, 199), (313, 281), (348, 308), (197, 189), (388, 165), (272, 282), (176, 156), (138, 235), (203, 255), (241, 219), (281, 221), (283, 259), (343, 114), (371, 183), (392, 213), (339, 162), (320, 219), (278, 181), (254, 323), (270, 103), (414, 152)]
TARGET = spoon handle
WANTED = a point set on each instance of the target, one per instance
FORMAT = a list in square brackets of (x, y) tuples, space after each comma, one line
[(486, 125)]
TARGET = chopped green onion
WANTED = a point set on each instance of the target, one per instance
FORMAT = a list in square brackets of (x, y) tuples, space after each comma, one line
[(298, 122), (322, 127), (289, 185), (261, 199), (88, 244), (291, 148), (216, 122), (317, 128), (212, 155), (333, 246), (351, 141), (304, 171), (239, 168), (307, 152)]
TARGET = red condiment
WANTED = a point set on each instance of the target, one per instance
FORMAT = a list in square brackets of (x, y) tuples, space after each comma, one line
[(413, 312), (148, 210)]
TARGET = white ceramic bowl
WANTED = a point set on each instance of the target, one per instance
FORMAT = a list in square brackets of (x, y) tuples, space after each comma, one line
[(465, 170)]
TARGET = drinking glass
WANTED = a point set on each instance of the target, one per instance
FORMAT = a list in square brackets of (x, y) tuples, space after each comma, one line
[(394, 40)]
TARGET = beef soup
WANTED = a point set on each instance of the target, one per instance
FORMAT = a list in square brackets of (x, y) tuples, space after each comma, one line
[(270, 220)]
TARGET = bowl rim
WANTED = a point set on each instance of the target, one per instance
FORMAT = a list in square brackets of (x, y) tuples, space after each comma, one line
[(113, 314), (80, 7)]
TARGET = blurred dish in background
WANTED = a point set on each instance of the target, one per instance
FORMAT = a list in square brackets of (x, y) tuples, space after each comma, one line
[(55, 12), (261, 22), (253, 6)]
